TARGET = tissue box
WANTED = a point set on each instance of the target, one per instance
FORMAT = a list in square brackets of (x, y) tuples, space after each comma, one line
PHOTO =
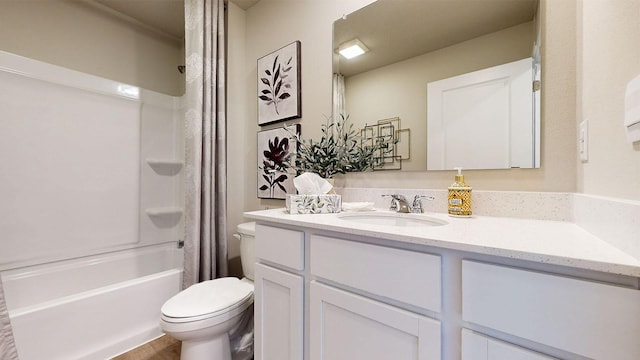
[(314, 204)]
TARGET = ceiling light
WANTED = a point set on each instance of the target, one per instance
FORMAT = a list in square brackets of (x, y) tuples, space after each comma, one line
[(351, 49)]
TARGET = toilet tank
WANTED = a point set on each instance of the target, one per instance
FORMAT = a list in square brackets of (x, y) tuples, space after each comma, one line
[(247, 232)]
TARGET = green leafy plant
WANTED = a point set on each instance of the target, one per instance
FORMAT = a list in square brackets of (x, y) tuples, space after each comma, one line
[(340, 150)]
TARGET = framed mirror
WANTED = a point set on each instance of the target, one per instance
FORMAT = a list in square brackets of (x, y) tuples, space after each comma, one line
[(410, 44)]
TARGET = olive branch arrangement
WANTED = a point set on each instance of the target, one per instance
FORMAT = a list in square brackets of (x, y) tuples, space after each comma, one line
[(340, 150)]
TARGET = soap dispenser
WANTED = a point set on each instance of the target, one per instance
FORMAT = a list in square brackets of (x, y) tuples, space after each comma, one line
[(459, 197)]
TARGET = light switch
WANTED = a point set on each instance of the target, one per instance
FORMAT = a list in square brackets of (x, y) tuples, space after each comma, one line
[(583, 141), (632, 110)]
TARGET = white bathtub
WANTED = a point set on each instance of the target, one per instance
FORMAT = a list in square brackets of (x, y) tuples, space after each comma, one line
[(94, 307)]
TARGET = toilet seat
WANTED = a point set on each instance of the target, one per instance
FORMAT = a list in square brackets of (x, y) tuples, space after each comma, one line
[(209, 299)]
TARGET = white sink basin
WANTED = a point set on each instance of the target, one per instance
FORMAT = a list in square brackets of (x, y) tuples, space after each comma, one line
[(392, 219)]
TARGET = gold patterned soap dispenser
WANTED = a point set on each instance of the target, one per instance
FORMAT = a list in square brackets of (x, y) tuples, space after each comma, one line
[(459, 197)]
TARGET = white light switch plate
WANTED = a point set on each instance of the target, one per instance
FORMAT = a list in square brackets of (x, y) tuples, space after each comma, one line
[(583, 141)]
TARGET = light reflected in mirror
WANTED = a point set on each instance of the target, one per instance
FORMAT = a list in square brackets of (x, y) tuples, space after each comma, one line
[(413, 43)]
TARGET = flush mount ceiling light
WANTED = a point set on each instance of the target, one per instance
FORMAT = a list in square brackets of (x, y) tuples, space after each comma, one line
[(352, 48)]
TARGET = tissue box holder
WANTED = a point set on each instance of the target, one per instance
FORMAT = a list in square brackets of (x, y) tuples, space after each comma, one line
[(314, 204)]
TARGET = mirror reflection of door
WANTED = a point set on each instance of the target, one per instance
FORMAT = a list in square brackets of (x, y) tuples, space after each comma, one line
[(465, 110)]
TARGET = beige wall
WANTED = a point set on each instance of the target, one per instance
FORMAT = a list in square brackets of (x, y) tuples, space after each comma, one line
[(271, 24), (608, 57), (75, 35), (400, 89)]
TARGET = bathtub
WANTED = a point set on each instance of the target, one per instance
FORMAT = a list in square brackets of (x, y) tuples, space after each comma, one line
[(93, 307)]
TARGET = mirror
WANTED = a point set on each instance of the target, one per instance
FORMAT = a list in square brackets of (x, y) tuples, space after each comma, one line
[(413, 43)]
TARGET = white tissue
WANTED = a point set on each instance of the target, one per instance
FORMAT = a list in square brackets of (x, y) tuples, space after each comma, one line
[(357, 206), (311, 184)]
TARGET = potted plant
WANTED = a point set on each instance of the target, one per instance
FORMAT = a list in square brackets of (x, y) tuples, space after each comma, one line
[(339, 150)]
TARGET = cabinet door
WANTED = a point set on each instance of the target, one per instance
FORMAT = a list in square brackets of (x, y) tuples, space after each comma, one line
[(345, 326), (278, 314), (479, 347)]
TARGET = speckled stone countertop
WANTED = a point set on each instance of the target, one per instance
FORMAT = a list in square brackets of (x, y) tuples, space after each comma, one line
[(552, 242)]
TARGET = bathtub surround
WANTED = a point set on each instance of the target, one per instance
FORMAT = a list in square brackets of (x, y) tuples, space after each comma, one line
[(205, 120), (7, 343), (101, 231)]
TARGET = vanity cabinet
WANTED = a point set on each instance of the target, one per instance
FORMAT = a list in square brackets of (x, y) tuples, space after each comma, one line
[(588, 318), (279, 294), (478, 347), (359, 322), (345, 326), (323, 294)]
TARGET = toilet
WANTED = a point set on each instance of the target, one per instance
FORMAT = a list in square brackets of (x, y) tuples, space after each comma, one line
[(202, 315)]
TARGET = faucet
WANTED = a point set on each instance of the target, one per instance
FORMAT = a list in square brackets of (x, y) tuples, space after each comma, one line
[(399, 203), (416, 207)]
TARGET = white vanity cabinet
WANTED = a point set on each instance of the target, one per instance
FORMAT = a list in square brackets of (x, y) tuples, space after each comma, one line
[(345, 325), (334, 294), (479, 347), (279, 294), (587, 318)]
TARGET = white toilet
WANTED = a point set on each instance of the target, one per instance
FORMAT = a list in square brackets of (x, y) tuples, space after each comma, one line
[(202, 315)]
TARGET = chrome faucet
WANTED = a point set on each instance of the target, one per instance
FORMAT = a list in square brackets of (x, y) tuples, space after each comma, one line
[(416, 207), (399, 203)]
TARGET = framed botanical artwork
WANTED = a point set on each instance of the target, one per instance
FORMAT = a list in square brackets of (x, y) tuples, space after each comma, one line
[(277, 149), (279, 85)]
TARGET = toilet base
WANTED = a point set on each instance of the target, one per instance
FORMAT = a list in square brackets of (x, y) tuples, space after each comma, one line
[(217, 348)]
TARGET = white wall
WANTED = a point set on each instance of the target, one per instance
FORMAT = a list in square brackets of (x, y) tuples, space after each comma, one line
[(271, 24), (609, 57), (75, 35)]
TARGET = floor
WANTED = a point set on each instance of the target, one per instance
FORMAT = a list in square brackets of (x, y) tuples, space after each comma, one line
[(162, 348)]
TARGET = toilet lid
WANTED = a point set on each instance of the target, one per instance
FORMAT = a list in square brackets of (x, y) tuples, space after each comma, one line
[(207, 297)]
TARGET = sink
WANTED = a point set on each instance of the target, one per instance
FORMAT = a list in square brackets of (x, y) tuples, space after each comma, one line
[(392, 219)]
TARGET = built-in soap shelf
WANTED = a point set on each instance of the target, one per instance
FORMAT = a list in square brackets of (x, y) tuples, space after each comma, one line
[(165, 167), (164, 211), (165, 217)]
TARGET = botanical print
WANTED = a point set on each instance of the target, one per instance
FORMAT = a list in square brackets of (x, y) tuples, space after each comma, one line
[(279, 85), (275, 151)]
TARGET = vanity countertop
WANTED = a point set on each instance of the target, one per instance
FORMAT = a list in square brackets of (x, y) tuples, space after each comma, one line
[(542, 241)]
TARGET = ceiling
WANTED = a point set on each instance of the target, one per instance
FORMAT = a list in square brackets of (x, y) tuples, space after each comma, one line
[(163, 16), (396, 30)]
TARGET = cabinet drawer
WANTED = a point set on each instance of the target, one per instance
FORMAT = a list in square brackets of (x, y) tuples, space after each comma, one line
[(591, 319), (280, 246), (406, 276)]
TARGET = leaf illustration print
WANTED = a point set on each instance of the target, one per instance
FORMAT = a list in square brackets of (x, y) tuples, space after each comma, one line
[(276, 84)]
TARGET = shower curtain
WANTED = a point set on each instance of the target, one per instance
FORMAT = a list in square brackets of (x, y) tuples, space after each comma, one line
[(339, 102), (205, 143), (7, 344)]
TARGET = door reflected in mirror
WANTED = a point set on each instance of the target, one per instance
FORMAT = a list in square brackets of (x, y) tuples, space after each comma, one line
[(413, 43)]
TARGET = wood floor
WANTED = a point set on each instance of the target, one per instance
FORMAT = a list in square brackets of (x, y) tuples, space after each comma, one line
[(162, 348)]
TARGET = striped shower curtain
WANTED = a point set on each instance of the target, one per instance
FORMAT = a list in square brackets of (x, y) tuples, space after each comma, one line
[(7, 344), (205, 142)]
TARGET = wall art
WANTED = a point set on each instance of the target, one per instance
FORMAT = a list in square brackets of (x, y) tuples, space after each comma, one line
[(279, 85), (277, 149)]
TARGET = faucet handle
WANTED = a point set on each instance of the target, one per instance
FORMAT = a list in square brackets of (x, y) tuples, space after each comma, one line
[(416, 207), (394, 201)]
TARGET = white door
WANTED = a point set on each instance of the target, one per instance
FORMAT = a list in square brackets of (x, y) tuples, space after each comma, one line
[(482, 120), (479, 347), (345, 326), (278, 314)]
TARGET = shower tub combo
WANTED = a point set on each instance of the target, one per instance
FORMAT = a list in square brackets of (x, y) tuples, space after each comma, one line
[(91, 215)]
